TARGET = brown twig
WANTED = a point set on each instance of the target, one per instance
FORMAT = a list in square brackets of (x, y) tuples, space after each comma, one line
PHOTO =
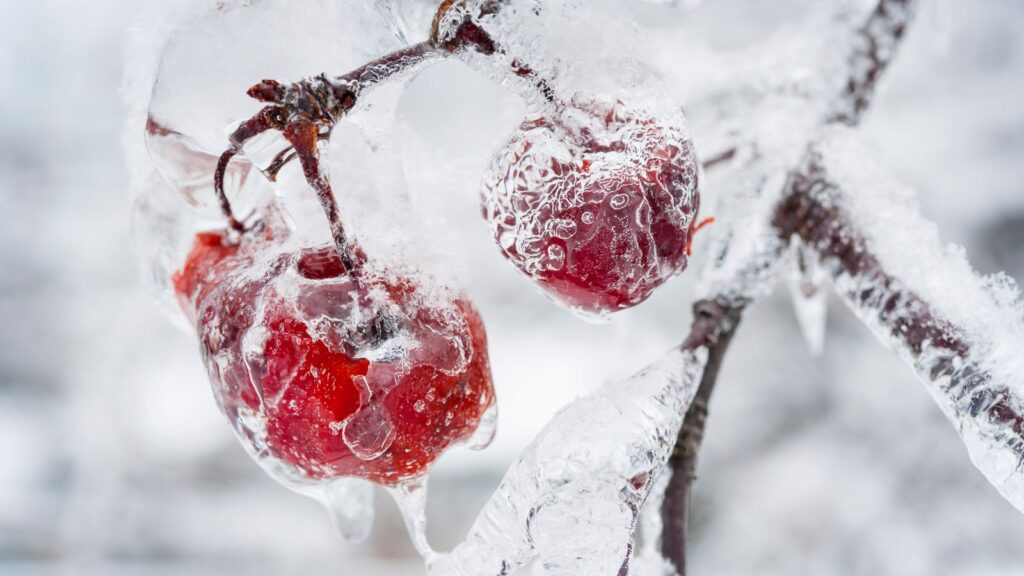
[(306, 113), (713, 327), (941, 352), (719, 158), (874, 49)]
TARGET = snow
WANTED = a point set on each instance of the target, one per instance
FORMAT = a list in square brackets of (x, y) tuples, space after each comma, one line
[(766, 119), (986, 312), (818, 432)]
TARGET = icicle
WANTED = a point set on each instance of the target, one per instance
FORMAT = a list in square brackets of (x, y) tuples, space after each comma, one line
[(486, 430), (411, 498), (349, 503), (808, 287)]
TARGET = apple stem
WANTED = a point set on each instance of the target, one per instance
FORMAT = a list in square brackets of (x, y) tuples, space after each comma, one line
[(306, 112), (303, 137), (264, 120)]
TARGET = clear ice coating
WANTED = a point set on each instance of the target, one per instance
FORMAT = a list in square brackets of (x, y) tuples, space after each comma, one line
[(596, 202), (189, 66), (573, 498), (595, 196), (808, 287), (349, 504), (961, 333), (326, 376), (564, 500), (326, 373)]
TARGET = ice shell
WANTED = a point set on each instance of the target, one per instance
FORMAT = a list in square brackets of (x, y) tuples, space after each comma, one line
[(595, 202), (573, 497), (324, 376)]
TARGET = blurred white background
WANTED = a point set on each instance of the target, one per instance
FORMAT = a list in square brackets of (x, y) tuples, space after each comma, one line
[(115, 460)]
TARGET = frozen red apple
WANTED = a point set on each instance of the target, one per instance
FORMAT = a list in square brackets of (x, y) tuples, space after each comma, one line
[(325, 373)]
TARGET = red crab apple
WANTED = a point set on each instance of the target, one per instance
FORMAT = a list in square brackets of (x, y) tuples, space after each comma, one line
[(596, 202), (327, 374)]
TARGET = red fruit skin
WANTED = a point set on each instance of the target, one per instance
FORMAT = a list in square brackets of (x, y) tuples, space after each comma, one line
[(597, 204), (290, 371)]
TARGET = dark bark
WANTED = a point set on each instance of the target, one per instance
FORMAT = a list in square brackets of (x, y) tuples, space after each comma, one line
[(941, 351), (713, 327), (875, 47)]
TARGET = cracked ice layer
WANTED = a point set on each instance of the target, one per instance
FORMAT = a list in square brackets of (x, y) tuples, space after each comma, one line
[(573, 498), (962, 333)]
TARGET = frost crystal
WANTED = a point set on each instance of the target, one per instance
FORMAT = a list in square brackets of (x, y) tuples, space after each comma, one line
[(573, 498)]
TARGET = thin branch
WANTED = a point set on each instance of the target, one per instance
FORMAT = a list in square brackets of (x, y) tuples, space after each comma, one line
[(988, 409), (309, 109), (713, 328), (875, 47), (400, 63), (722, 157)]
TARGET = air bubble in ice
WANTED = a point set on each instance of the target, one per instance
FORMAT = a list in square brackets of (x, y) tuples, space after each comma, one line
[(565, 229), (369, 432)]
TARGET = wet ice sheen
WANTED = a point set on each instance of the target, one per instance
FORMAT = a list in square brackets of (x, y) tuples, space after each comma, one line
[(200, 57), (809, 289), (573, 498)]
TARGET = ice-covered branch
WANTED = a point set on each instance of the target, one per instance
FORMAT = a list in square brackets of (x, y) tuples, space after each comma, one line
[(573, 498), (961, 334), (873, 51), (713, 328)]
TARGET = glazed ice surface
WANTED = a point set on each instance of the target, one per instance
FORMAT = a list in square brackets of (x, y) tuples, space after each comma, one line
[(327, 374), (596, 203)]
